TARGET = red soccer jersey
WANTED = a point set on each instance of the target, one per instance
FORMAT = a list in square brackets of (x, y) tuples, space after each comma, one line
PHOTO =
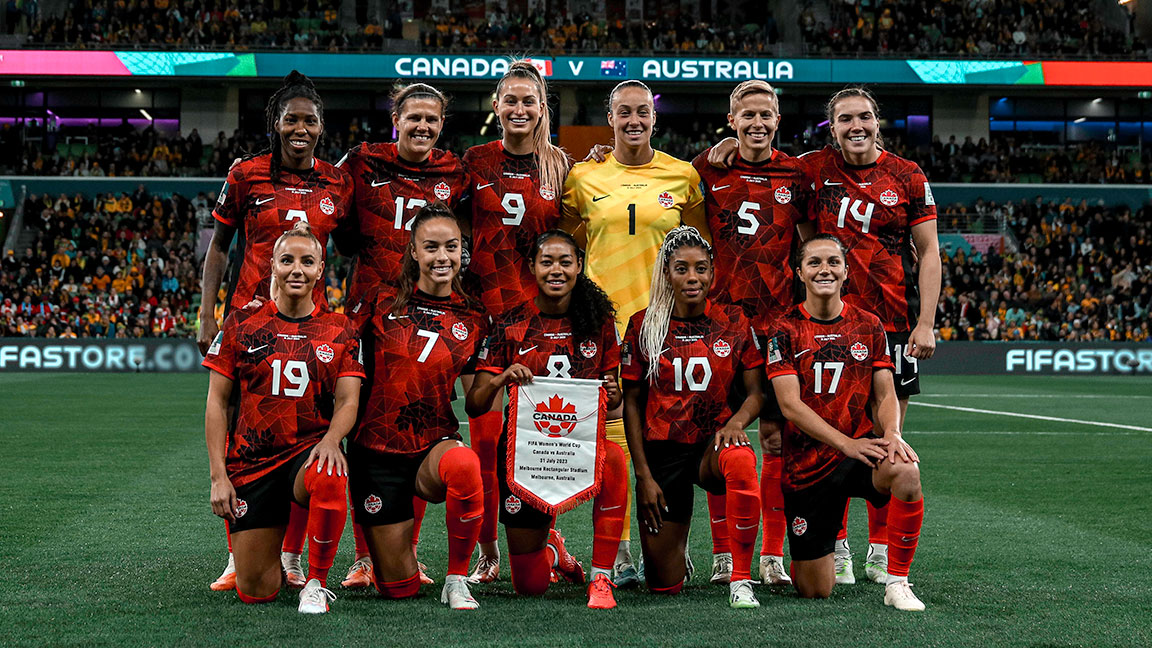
[(752, 210), (834, 361), (703, 359), (286, 370), (262, 210), (416, 357), (509, 210), (544, 344), (389, 193), (872, 209)]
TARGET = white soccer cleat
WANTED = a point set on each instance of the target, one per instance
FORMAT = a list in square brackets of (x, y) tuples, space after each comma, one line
[(314, 598), (876, 564), (689, 568), (842, 558), (898, 594), (772, 571), (740, 595), (721, 568), (456, 595), (293, 572)]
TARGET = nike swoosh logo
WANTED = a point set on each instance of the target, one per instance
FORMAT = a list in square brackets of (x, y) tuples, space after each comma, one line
[(599, 198), (472, 519), (315, 539), (484, 186), (609, 508), (829, 183), (718, 520), (906, 382), (906, 539), (395, 317), (801, 353), (523, 351), (715, 188), (261, 202), (254, 350), (742, 528), (380, 184)]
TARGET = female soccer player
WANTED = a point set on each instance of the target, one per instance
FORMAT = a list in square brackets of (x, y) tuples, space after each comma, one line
[(393, 182), (515, 183), (682, 356), (568, 331), (830, 367), (621, 209), (264, 197), (754, 208), (421, 338), (298, 371)]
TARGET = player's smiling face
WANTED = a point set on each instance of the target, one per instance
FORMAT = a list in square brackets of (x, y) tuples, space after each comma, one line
[(518, 107), (854, 127), (418, 125), (556, 267), (299, 127), (755, 119), (689, 272), (823, 269), (632, 117), (297, 263), (436, 250)]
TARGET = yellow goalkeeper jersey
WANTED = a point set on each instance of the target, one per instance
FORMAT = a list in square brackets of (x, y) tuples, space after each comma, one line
[(626, 211)]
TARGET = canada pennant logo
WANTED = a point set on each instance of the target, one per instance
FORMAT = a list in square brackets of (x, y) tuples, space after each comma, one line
[(555, 418)]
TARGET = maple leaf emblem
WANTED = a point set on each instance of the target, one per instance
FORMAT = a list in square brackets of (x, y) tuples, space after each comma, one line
[(555, 417)]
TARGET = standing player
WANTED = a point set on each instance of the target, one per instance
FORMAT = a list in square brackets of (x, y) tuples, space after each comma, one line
[(621, 209), (682, 356), (516, 183), (393, 181), (830, 367), (754, 208), (264, 197), (881, 206), (568, 330), (421, 337), (298, 371)]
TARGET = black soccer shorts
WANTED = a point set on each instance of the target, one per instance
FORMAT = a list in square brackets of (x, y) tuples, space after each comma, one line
[(907, 376), (515, 513), (816, 513), (676, 468), (267, 502), (382, 484)]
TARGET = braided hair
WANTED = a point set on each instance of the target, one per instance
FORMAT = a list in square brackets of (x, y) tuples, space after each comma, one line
[(661, 301), (590, 306), (295, 85), (410, 270)]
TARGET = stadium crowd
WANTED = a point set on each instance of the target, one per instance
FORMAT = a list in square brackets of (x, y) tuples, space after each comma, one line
[(970, 28), (1083, 272)]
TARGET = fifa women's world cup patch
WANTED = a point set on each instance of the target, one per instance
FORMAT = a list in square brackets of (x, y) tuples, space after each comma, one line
[(556, 442)]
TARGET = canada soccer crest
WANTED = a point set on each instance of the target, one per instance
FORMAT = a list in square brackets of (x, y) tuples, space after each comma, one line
[(442, 191), (666, 200), (588, 348), (783, 196), (555, 418), (512, 504), (241, 507), (799, 526), (889, 198), (327, 206), (547, 192), (373, 504), (325, 353), (859, 351), (721, 348), (459, 331)]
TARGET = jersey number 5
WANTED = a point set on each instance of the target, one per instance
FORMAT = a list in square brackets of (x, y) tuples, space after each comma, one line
[(747, 214)]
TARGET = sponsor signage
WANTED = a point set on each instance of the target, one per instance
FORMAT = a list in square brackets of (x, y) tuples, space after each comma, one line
[(574, 68), (1041, 358), (97, 354)]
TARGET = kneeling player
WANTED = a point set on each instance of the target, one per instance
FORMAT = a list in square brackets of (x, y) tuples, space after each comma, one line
[(299, 374), (829, 364), (566, 331), (420, 339), (682, 355)]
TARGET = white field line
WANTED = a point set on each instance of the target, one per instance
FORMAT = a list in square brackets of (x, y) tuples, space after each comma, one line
[(1036, 417)]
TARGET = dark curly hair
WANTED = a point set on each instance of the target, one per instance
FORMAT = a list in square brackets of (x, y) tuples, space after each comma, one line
[(590, 307), (295, 85)]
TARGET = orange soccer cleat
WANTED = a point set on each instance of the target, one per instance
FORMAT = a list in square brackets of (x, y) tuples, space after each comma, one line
[(600, 596), (566, 565), (425, 579), (226, 580), (359, 574)]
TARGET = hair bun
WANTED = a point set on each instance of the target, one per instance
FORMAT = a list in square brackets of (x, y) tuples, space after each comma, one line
[(295, 77)]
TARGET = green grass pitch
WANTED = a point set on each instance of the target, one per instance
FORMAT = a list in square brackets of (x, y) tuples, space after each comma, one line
[(1037, 533)]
